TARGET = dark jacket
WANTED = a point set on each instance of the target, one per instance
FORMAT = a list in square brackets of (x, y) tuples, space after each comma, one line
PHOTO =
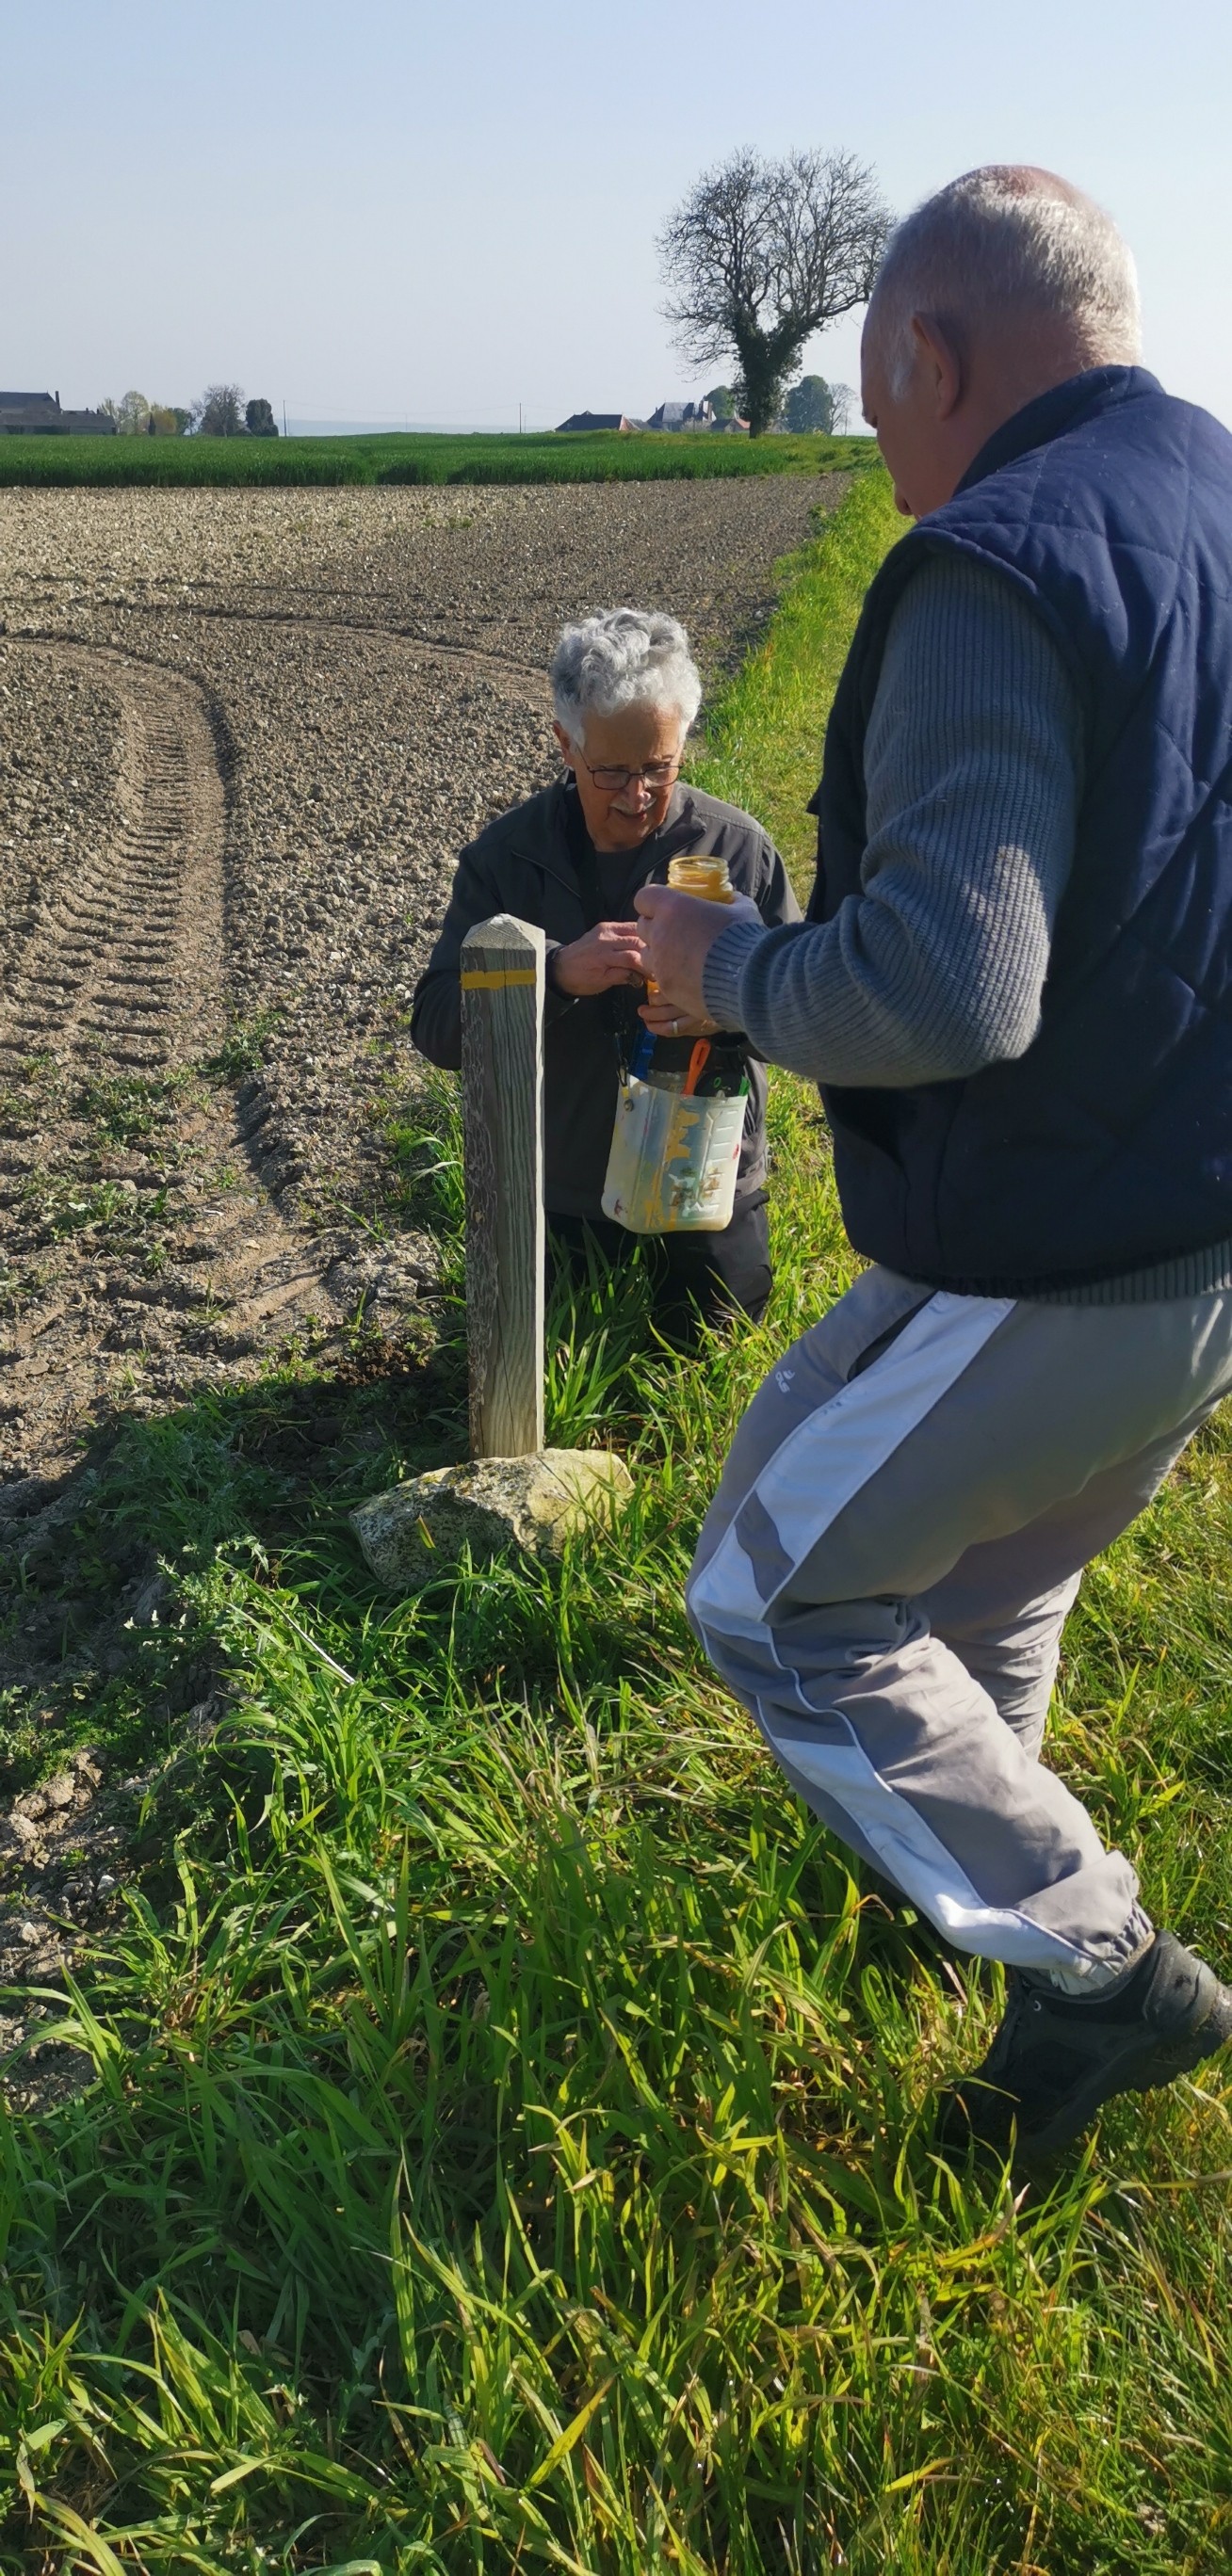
[(522, 864), (1107, 1146)]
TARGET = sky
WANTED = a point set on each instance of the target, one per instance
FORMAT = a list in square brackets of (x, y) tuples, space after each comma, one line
[(388, 210)]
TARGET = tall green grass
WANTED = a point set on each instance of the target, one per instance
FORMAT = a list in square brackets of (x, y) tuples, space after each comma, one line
[(763, 739), (508, 2139), (585, 456)]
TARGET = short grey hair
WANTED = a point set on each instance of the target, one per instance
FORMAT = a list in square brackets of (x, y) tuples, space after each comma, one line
[(625, 657), (1008, 237)]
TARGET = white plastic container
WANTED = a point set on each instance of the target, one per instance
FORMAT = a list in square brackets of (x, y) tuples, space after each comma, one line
[(674, 1159)]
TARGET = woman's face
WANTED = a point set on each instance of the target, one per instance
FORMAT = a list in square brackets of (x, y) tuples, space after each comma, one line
[(622, 812)]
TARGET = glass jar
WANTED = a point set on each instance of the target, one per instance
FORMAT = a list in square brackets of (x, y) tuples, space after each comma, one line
[(703, 875)]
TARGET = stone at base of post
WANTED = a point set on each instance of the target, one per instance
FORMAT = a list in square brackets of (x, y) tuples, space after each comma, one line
[(420, 1528)]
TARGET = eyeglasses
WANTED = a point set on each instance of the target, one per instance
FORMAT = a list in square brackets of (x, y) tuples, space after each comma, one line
[(656, 773)]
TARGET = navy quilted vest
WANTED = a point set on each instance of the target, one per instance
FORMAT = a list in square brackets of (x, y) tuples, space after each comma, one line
[(1107, 1147)]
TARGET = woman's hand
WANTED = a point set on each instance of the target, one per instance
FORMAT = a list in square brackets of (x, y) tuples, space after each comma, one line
[(609, 954), (664, 1021)]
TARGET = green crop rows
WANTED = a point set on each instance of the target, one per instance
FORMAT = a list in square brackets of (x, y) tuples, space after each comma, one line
[(548, 457)]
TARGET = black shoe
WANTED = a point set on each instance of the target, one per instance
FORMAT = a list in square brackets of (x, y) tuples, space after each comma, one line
[(1056, 2058)]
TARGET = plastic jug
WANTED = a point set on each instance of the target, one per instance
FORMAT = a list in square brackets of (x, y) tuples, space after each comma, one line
[(680, 1115)]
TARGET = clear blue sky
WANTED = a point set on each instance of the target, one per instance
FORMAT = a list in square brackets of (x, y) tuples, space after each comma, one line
[(372, 209)]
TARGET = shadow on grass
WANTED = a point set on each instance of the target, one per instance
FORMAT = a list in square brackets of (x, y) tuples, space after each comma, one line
[(105, 1602)]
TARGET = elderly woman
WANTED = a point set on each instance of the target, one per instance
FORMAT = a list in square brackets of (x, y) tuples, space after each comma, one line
[(625, 691)]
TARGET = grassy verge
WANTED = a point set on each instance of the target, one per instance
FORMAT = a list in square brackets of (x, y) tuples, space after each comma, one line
[(508, 2142), (587, 456), (762, 745)]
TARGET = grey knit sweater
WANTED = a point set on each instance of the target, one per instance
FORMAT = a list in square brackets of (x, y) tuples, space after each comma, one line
[(973, 773)]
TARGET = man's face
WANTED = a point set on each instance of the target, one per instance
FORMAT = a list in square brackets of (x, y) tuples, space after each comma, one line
[(621, 815), (913, 427)]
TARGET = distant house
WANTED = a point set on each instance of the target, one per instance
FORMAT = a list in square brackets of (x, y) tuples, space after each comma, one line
[(688, 415), (681, 415), (598, 420), (24, 415)]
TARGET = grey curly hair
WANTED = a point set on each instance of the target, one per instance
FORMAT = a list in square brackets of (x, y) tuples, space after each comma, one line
[(625, 657)]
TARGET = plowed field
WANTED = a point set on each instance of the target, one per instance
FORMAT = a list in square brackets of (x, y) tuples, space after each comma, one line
[(242, 737)]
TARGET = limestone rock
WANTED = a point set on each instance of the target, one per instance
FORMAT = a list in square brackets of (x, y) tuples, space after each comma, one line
[(537, 1502)]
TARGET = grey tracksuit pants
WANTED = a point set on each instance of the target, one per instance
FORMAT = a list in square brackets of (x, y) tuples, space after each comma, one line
[(884, 1574)]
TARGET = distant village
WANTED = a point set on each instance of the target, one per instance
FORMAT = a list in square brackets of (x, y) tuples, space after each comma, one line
[(222, 413), (670, 415), (810, 405)]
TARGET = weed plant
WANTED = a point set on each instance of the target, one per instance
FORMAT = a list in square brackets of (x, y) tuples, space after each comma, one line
[(507, 2143), (244, 1048), (587, 456)]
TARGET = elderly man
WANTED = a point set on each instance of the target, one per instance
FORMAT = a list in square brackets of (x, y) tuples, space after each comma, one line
[(1013, 987), (626, 692)]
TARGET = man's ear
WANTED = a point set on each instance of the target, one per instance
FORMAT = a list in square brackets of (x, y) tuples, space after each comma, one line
[(939, 363), (567, 752)]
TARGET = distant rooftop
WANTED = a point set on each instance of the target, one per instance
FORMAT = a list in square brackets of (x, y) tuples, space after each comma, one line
[(598, 420), (41, 413)]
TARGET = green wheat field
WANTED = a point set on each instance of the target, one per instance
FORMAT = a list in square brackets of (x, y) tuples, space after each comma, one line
[(541, 456)]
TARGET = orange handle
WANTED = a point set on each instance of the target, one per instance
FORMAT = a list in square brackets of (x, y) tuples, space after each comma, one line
[(697, 1066)]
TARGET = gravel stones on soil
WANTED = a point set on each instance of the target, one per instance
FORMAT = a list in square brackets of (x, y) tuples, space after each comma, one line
[(61, 744), (481, 570)]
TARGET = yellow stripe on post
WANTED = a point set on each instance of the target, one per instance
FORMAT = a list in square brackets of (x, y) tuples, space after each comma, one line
[(495, 983)]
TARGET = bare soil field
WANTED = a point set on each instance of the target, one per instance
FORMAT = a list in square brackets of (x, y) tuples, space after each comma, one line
[(242, 737)]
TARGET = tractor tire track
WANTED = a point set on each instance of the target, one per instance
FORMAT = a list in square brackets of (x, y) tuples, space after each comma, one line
[(130, 1270), (125, 965)]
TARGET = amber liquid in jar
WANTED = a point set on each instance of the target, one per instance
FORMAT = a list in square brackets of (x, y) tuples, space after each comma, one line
[(707, 877)]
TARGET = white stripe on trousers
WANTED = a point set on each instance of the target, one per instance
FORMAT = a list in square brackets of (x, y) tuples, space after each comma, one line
[(818, 1468)]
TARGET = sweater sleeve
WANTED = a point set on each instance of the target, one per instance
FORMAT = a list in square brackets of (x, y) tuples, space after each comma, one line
[(973, 773)]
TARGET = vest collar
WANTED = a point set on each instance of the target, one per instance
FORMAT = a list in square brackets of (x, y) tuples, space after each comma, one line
[(1063, 407)]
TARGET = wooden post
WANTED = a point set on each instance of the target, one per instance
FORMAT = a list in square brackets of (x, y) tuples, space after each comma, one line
[(502, 1096)]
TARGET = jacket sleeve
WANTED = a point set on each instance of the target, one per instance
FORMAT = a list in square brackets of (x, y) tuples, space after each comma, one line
[(436, 1011), (774, 895)]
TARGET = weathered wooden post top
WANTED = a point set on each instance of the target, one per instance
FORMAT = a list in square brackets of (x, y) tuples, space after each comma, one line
[(514, 1491), (502, 1113)]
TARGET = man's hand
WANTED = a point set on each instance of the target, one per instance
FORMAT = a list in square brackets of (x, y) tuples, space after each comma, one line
[(679, 932), (609, 954)]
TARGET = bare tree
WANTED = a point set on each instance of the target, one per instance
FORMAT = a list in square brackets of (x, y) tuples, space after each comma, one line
[(216, 413), (761, 254), (846, 403)]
